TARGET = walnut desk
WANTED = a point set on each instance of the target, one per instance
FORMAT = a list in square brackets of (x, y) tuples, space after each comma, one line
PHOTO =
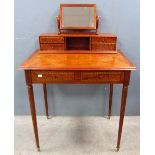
[(77, 68)]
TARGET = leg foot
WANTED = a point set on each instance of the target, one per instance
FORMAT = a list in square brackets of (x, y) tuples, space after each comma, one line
[(38, 149), (117, 149)]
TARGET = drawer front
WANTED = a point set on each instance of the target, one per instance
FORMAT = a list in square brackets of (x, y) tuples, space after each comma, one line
[(52, 76), (104, 47), (51, 39), (103, 40), (52, 46), (77, 77), (102, 76)]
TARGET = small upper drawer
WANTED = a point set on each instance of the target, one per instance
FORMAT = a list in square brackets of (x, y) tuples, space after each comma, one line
[(103, 47), (52, 47), (103, 40), (44, 39)]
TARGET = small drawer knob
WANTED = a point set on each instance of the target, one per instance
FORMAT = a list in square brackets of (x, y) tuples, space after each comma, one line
[(40, 75)]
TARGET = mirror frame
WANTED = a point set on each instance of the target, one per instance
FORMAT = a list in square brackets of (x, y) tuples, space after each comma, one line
[(77, 5)]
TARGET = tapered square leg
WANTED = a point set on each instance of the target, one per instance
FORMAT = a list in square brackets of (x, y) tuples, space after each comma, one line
[(45, 99), (33, 113), (110, 100), (122, 112)]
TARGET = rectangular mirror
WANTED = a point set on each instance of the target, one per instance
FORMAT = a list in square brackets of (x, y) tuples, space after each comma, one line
[(78, 16)]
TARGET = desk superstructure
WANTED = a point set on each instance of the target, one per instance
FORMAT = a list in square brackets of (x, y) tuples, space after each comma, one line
[(77, 58)]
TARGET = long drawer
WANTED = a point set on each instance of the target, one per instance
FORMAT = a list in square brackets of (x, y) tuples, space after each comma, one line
[(44, 39), (52, 76), (77, 76), (52, 46), (99, 76)]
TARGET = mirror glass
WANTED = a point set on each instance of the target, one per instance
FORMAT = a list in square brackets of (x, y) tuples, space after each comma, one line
[(78, 17)]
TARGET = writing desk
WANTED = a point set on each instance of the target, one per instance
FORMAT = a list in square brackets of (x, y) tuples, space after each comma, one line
[(70, 67)]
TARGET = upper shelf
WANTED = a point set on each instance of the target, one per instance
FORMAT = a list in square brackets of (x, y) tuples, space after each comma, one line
[(79, 35)]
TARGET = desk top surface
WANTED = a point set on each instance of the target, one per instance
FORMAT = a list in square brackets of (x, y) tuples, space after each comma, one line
[(77, 61)]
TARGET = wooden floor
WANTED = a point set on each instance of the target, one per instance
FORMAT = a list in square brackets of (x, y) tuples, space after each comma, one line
[(77, 136)]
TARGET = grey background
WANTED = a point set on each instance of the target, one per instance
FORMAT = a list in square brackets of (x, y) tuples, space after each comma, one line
[(33, 17)]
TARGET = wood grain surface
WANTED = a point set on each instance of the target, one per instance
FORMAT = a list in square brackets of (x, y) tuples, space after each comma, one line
[(78, 61)]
